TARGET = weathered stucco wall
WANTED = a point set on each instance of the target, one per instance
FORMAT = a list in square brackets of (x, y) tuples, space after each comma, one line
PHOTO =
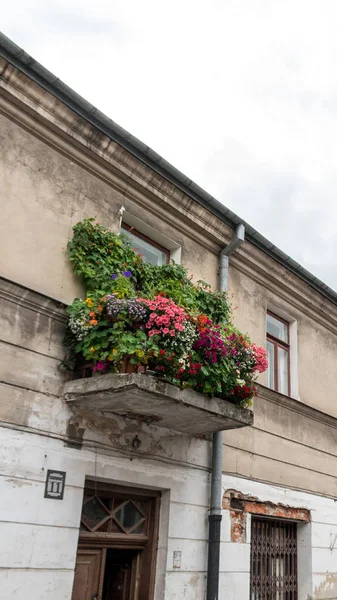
[(39, 537), (43, 194), (54, 171), (317, 555), (313, 346), (50, 179), (38, 432), (288, 445), (295, 450)]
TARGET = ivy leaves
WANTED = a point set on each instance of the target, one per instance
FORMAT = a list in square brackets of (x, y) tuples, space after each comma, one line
[(97, 254)]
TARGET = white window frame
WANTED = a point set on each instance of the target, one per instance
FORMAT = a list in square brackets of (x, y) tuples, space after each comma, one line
[(153, 234)]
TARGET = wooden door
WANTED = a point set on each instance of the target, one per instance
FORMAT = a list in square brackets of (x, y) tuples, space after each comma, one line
[(89, 565), (117, 543)]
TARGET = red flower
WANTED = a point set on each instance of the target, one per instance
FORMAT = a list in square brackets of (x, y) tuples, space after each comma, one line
[(161, 352)]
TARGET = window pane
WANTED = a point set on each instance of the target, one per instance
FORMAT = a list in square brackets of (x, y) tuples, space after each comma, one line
[(277, 329), (128, 516), (283, 382), (271, 365), (94, 513), (150, 253)]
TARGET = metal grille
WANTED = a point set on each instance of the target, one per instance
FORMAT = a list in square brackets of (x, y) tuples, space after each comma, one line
[(273, 564)]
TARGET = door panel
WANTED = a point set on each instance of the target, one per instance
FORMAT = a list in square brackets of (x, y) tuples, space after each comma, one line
[(87, 574)]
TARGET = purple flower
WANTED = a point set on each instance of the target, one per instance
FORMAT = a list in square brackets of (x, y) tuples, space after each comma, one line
[(127, 273), (114, 276)]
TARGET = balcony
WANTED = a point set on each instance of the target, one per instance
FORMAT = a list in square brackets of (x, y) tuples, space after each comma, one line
[(150, 400)]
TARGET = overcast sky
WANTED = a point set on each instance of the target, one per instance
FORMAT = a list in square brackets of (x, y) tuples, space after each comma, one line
[(240, 95)]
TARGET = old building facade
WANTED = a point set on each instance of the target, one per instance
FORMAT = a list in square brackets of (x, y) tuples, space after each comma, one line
[(62, 161)]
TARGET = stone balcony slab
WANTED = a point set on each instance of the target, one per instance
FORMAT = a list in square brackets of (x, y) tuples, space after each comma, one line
[(153, 401)]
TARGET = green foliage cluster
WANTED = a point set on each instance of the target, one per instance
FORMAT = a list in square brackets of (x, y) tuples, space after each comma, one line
[(97, 254)]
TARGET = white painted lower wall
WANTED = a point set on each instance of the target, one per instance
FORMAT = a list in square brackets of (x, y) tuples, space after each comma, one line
[(317, 562), (38, 536)]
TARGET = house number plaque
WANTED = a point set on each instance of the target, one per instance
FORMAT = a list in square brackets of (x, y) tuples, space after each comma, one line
[(55, 483)]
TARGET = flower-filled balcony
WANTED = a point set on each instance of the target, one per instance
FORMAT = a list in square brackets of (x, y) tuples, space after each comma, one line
[(159, 347)]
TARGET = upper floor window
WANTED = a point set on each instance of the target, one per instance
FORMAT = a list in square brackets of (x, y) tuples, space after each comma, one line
[(151, 251), (278, 349)]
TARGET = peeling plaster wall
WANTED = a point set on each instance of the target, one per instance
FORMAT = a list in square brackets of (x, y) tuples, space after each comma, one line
[(54, 171), (39, 537), (317, 562), (38, 541), (39, 432)]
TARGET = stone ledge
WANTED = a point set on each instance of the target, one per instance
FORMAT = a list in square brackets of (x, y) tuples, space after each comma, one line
[(19, 295), (153, 401)]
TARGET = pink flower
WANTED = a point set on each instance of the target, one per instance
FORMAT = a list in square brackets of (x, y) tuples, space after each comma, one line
[(152, 332), (100, 366), (165, 316), (260, 358)]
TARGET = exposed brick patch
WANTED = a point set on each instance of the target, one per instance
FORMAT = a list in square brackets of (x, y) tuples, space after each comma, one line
[(239, 505), (238, 527)]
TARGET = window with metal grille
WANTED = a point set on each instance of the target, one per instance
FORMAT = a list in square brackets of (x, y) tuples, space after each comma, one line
[(273, 563)]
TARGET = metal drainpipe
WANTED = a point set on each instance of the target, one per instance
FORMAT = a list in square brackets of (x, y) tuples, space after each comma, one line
[(215, 515)]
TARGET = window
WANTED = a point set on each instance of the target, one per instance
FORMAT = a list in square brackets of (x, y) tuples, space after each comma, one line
[(151, 251), (273, 562), (278, 354)]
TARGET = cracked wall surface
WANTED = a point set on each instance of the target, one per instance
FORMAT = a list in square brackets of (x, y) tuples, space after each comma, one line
[(56, 169)]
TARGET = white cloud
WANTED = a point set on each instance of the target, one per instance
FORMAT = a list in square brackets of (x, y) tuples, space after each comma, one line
[(239, 95)]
